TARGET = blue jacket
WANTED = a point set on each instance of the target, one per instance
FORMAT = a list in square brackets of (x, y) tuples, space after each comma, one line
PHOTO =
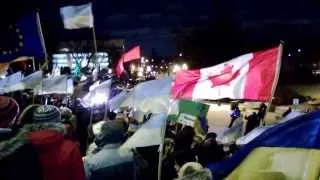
[(110, 163), (235, 114)]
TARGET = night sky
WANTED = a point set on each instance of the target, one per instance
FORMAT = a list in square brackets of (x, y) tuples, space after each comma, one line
[(237, 25)]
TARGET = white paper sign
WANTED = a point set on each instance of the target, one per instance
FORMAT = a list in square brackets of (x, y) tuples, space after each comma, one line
[(295, 101), (187, 119)]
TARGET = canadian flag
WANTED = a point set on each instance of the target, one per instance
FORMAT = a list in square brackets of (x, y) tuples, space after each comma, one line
[(250, 76)]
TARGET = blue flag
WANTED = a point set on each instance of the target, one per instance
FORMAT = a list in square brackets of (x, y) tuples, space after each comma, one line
[(300, 132), (21, 38)]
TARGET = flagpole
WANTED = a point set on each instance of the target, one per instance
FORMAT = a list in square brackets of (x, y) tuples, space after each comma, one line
[(33, 64), (94, 41), (276, 79), (94, 44), (42, 39), (161, 147)]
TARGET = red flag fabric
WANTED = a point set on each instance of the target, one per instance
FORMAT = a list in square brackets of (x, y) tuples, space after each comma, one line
[(249, 76), (131, 55)]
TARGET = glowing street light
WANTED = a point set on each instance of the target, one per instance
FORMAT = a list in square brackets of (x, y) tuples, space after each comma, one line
[(176, 68), (109, 70), (149, 69), (133, 67), (184, 66), (142, 59), (140, 74), (180, 54)]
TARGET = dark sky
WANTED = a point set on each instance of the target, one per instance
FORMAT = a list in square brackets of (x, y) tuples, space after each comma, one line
[(151, 24), (157, 23)]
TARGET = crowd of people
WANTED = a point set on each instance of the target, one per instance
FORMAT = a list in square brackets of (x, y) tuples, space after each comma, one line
[(50, 142), (62, 140), (55, 141), (254, 119)]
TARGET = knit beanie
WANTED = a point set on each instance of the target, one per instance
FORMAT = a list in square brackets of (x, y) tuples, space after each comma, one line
[(46, 113), (9, 110)]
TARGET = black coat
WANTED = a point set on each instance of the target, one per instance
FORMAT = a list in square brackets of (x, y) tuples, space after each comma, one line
[(21, 163)]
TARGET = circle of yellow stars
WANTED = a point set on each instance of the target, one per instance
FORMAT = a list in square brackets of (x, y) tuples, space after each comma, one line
[(10, 51)]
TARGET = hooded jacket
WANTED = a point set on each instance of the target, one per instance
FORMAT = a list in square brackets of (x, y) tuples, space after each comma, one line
[(60, 158), (203, 174), (39, 151), (107, 161)]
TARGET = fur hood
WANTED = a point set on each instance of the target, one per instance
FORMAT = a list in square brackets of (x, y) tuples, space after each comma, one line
[(12, 145), (203, 174)]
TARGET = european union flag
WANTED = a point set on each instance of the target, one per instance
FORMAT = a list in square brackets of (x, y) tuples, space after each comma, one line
[(21, 38)]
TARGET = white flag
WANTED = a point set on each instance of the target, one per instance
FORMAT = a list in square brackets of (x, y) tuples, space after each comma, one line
[(76, 17), (152, 96), (55, 85), (10, 81), (149, 134), (98, 94), (29, 82), (115, 102)]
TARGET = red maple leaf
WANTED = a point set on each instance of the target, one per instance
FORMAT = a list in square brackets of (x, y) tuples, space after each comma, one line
[(225, 76)]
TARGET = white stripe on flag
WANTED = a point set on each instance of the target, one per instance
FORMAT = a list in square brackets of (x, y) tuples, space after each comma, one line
[(29, 82), (76, 17), (235, 89), (149, 134)]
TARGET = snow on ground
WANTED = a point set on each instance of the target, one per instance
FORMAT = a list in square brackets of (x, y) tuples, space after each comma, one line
[(218, 115)]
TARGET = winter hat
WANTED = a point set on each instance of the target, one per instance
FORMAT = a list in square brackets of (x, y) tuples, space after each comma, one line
[(46, 113), (26, 115), (9, 110)]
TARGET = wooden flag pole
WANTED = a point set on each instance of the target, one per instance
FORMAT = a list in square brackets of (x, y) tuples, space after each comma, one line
[(276, 79)]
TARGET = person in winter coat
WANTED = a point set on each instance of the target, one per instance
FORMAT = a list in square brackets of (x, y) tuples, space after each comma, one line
[(60, 158), (19, 160), (262, 112), (9, 110), (235, 114), (209, 150), (252, 122), (108, 161)]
